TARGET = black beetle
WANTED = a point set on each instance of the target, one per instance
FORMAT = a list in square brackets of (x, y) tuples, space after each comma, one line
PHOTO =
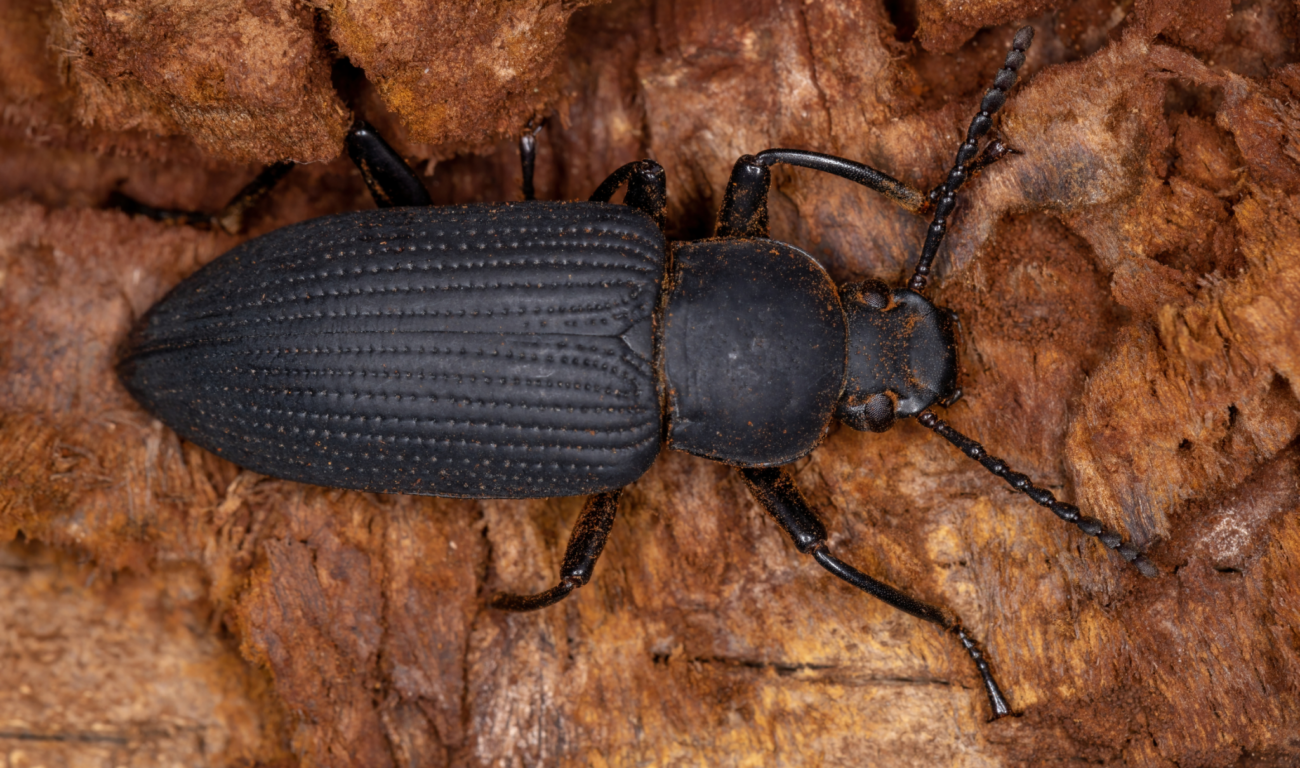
[(535, 349)]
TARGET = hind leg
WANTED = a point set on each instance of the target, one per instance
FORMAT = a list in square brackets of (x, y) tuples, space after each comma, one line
[(391, 181), (777, 493), (230, 218), (585, 545)]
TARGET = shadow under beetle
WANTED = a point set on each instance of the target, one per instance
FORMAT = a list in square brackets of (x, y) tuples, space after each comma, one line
[(536, 349)]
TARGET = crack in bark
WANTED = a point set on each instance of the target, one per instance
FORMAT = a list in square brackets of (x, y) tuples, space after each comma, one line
[(801, 10), (90, 737), (77, 737), (787, 668), (482, 593)]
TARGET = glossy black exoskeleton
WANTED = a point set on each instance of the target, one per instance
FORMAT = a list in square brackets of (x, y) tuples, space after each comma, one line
[(538, 349)]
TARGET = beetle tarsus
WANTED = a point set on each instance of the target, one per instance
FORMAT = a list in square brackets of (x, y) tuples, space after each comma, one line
[(585, 545), (994, 151), (508, 601), (132, 207), (997, 701), (229, 219)]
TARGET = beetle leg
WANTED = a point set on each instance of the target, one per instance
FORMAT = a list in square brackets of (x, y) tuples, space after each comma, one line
[(744, 205), (1043, 497), (647, 188), (528, 162), (585, 545), (528, 157), (778, 494), (390, 179), (994, 151), (230, 218)]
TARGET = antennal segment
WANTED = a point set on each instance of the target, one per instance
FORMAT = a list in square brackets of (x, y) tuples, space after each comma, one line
[(1043, 497), (980, 125)]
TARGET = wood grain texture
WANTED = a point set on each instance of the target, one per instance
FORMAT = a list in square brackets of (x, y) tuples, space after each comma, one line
[(1129, 287)]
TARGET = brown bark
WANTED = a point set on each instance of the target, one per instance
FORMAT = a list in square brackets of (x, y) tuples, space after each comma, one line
[(1129, 287)]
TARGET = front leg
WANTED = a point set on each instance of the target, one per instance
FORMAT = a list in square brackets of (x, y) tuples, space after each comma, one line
[(744, 204), (778, 494)]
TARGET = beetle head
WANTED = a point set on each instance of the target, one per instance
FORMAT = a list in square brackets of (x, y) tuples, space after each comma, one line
[(902, 355)]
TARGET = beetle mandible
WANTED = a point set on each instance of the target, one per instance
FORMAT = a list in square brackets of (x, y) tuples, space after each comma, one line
[(535, 349)]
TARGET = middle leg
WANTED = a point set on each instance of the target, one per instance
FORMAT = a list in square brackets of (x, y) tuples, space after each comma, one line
[(647, 189), (528, 158), (778, 494)]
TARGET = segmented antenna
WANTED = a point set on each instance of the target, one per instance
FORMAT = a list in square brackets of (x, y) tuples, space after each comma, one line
[(947, 194), (1041, 496)]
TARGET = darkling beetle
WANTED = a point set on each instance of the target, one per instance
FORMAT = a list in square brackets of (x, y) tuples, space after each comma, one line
[(535, 349)]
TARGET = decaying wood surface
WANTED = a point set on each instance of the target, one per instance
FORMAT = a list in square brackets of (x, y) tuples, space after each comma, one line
[(1129, 286)]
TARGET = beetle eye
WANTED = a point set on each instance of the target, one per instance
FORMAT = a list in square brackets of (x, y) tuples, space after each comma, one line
[(874, 413)]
